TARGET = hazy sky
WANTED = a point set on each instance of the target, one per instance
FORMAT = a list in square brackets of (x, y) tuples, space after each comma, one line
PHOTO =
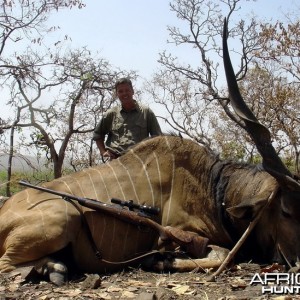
[(131, 33)]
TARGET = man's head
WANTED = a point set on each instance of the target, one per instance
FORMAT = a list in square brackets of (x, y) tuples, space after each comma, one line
[(123, 81), (125, 92)]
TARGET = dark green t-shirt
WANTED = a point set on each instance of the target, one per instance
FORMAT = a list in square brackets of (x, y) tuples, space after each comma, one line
[(125, 129)]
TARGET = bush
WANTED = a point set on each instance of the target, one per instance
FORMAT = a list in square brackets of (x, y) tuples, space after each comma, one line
[(32, 177)]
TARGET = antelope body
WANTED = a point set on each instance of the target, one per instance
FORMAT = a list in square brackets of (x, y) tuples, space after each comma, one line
[(193, 188)]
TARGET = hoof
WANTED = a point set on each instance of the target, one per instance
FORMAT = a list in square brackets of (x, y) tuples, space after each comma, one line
[(58, 279), (56, 271)]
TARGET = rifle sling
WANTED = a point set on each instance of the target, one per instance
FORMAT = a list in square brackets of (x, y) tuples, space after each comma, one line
[(86, 227)]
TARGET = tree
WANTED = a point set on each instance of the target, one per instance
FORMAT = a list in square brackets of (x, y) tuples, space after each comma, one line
[(204, 20), (205, 83), (60, 97), (281, 43), (22, 21), (186, 113), (274, 102)]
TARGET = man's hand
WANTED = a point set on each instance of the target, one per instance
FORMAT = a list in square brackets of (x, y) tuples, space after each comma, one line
[(108, 155)]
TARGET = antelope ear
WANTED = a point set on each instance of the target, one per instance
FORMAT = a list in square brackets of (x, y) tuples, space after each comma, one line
[(246, 210)]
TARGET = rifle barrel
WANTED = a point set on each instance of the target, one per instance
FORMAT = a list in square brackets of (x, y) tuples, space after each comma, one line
[(136, 218), (90, 203), (144, 211), (43, 189)]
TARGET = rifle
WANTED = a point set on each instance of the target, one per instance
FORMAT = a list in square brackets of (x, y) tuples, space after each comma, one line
[(139, 215)]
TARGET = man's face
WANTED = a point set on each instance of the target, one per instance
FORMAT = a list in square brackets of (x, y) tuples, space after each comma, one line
[(125, 93)]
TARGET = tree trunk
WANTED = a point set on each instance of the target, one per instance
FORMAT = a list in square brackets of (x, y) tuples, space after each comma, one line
[(10, 157)]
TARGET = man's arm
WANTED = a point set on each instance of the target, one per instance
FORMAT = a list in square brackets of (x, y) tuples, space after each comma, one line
[(100, 145), (103, 128), (153, 125), (103, 151)]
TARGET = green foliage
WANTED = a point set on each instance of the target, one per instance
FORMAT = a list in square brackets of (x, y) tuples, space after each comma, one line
[(2, 176), (232, 150), (32, 177), (256, 159)]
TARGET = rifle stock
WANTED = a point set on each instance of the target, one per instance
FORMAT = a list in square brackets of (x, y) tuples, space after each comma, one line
[(194, 244)]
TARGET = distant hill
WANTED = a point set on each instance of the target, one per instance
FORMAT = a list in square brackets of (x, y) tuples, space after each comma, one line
[(21, 163)]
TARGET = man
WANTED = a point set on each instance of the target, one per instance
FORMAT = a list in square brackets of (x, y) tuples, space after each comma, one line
[(124, 125)]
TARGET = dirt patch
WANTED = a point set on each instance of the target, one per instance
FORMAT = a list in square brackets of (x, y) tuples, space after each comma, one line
[(141, 285)]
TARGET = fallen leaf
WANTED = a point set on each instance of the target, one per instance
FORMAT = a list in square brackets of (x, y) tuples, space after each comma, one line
[(238, 283), (92, 281), (104, 296), (273, 268), (171, 284), (13, 287), (114, 289), (138, 283), (160, 281), (132, 289), (128, 294), (70, 293), (180, 289)]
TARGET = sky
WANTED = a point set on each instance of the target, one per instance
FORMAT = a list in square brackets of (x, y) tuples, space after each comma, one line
[(132, 33)]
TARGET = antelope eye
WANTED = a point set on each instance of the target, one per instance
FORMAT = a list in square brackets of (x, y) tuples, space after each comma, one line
[(286, 214)]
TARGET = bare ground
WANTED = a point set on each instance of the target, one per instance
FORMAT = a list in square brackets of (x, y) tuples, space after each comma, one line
[(141, 285)]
